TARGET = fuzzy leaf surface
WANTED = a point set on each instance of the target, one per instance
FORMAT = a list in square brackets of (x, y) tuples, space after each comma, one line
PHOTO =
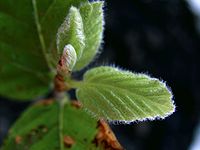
[(71, 32), (124, 96), (38, 129), (92, 17), (28, 44)]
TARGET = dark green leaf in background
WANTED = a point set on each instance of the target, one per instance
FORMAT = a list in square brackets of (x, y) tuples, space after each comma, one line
[(39, 129), (28, 44)]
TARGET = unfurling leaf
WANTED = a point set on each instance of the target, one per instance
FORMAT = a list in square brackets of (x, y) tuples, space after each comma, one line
[(125, 96), (92, 17), (71, 32)]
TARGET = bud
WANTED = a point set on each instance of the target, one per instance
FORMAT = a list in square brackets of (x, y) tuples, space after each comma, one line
[(67, 60)]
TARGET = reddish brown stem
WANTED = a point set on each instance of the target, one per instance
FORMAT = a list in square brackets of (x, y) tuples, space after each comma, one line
[(59, 85)]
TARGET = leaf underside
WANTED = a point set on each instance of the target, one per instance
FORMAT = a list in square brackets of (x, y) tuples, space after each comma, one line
[(71, 32), (124, 96), (38, 129), (92, 17), (24, 72)]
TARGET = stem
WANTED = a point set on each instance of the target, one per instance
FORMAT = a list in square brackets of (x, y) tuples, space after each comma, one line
[(61, 123), (39, 30), (59, 85), (74, 83)]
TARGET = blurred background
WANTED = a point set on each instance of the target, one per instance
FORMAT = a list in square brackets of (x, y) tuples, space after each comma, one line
[(160, 38)]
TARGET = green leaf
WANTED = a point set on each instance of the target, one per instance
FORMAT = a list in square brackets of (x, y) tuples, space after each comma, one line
[(125, 96), (92, 17), (45, 125), (28, 45), (71, 32)]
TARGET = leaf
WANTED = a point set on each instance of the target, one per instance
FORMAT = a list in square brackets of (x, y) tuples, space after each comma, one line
[(125, 96), (50, 126), (92, 17), (71, 32), (28, 45)]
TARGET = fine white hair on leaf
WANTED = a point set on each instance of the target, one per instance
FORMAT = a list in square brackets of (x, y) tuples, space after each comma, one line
[(118, 122), (71, 32), (131, 97)]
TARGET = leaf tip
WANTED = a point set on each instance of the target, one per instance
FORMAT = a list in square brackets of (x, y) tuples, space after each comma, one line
[(71, 32)]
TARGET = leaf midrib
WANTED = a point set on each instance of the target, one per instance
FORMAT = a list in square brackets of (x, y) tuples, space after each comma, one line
[(40, 35)]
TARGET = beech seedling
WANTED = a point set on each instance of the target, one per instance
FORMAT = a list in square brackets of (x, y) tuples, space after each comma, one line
[(41, 44)]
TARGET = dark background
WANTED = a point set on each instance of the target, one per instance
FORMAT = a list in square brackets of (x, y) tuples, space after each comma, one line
[(158, 37)]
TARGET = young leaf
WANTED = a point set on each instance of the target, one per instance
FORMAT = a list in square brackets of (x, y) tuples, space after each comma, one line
[(122, 95), (28, 45), (71, 32), (92, 17), (49, 126)]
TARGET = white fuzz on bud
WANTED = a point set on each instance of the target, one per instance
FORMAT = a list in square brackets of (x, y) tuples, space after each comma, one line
[(67, 60)]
